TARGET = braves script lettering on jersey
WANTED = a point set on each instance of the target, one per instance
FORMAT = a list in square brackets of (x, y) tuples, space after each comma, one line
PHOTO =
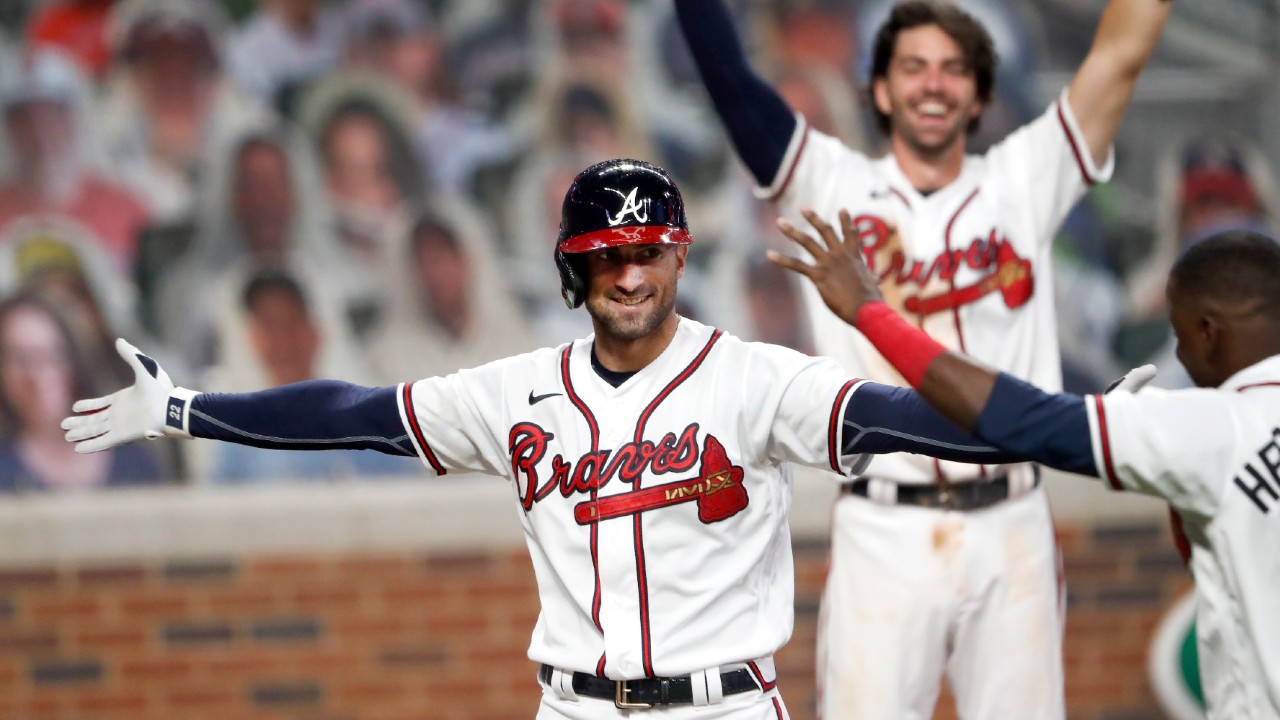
[(650, 461), (970, 264), (1215, 456), (656, 511)]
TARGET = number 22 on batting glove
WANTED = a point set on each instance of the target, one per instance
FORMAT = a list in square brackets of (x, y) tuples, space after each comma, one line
[(149, 408)]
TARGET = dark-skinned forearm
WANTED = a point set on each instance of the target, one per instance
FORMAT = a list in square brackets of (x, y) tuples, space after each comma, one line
[(958, 387), (1006, 412)]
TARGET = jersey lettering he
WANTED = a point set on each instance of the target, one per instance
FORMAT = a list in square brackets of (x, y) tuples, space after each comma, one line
[(1269, 457), (1009, 274)]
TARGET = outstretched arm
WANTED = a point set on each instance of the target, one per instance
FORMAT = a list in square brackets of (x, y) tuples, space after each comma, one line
[(313, 415), (886, 419), (759, 122), (1103, 86), (996, 407)]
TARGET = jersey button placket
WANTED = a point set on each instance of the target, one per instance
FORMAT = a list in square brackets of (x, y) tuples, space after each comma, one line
[(620, 611)]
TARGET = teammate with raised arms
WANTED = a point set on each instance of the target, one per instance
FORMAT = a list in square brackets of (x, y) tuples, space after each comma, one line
[(936, 567), (1213, 452), (650, 461)]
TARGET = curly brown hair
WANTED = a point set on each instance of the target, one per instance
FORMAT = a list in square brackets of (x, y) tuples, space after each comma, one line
[(974, 41)]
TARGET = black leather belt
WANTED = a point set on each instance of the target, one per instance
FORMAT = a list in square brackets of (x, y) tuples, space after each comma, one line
[(974, 495), (647, 692)]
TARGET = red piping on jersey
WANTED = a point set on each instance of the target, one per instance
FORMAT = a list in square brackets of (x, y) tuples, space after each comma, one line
[(901, 197), (833, 428), (642, 588), (777, 708), (1180, 539), (1108, 467), (642, 578), (1075, 149), (684, 375), (595, 442), (1242, 388), (417, 430), (955, 311), (765, 685), (795, 161)]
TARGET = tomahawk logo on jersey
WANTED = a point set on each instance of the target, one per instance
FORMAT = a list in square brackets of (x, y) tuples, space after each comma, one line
[(629, 463), (1007, 273)]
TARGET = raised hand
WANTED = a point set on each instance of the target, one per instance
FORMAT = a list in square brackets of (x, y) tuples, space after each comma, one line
[(838, 271), (136, 412)]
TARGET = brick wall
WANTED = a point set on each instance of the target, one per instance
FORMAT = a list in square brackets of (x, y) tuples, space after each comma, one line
[(441, 636)]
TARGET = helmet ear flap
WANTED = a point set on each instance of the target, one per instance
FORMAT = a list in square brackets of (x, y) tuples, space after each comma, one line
[(573, 281)]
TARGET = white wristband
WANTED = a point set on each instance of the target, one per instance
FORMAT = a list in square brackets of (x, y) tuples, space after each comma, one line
[(177, 413)]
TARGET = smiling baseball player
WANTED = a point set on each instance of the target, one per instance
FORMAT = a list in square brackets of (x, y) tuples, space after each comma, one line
[(939, 568), (649, 461), (1213, 452)]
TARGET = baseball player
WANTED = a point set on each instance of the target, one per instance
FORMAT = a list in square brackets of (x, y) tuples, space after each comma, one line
[(649, 461), (936, 567), (1212, 452)]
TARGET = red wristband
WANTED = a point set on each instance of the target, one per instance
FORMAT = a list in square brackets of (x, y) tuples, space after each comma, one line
[(907, 348)]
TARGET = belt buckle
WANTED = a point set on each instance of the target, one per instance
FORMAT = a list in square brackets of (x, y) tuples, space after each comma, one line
[(944, 496), (621, 690)]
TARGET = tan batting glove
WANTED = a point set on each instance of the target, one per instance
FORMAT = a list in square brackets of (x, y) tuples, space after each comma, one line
[(149, 408), (1133, 381)]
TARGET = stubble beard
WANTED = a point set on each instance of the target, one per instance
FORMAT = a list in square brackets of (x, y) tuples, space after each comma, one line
[(926, 149), (930, 150), (619, 328)]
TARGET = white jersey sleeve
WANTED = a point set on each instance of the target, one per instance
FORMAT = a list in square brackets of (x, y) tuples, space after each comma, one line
[(800, 420), (1049, 159), (456, 422), (1214, 454), (1178, 445), (817, 170)]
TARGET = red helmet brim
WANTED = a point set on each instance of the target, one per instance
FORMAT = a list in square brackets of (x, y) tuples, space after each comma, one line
[(634, 235)]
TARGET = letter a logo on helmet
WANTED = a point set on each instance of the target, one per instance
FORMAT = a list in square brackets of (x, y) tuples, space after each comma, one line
[(629, 205), (616, 202)]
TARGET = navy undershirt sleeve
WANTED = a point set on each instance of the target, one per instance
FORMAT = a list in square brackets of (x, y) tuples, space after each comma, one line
[(1052, 429), (885, 419), (759, 122), (312, 415)]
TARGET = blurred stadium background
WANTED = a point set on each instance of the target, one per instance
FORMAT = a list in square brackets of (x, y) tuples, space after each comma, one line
[(264, 191)]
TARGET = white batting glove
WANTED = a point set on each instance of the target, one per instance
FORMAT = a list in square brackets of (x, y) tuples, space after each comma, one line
[(1133, 380), (149, 408)]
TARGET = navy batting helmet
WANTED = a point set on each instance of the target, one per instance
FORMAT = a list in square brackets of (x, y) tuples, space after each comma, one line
[(616, 202)]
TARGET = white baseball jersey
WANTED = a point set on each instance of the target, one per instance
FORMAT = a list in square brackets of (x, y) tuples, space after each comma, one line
[(1215, 456), (656, 511), (969, 262)]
